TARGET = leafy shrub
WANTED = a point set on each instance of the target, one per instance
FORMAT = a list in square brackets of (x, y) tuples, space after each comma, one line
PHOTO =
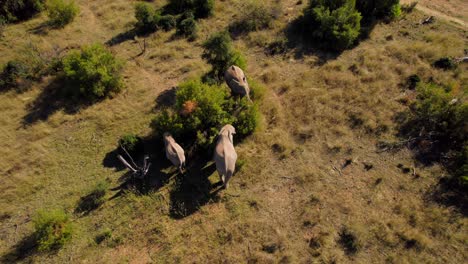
[(255, 17), (445, 63), (337, 22), (132, 143), (147, 18), (92, 73), (437, 123), (13, 74), (61, 12), (18, 10), (201, 110), (200, 8), (94, 199), (378, 8), (220, 53), (167, 22), (187, 26), (52, 229)]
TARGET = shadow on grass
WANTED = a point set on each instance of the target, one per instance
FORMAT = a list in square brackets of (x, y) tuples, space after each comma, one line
[(166, 99), (25, 248), (51, 100), (122, 37), (448, 192), (188, 192)]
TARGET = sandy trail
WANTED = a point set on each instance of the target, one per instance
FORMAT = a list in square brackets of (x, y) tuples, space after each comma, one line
[(434, 7)]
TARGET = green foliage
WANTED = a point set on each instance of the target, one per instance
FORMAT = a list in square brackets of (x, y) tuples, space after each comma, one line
[(256, 16), (61, 12), (440, 118), (187, 26), (200, 8), (132, 143), (92, 73), (52, 229), (147, 18), (378, 8), (18, 10), (12, 75), (167, 22), (201, 110), (445, 63), (220, 53), (336, 23)]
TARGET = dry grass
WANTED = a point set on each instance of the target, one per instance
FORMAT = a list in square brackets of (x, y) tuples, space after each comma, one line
[(291, 198)]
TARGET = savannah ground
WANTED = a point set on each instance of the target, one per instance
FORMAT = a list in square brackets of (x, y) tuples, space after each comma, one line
[(292, 197)]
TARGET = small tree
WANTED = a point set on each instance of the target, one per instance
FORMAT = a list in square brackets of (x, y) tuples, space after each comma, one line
[(187, 26), (13, 72), (200, 8), (92, 73), (336, 22), (378, 8), (147, 18), (219, 52), (17, 10), (255, 17), (52, 229), (61, 12)]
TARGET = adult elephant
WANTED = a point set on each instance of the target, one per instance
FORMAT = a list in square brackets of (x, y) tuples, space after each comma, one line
[(237, 82), (225, 155)]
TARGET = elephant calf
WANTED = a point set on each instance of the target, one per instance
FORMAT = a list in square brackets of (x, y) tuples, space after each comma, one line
[(237, 82), (225, 155), (174, 152)]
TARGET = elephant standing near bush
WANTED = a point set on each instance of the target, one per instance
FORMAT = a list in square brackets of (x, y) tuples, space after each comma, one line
[(237, 82), (225, 155), (174, 152)]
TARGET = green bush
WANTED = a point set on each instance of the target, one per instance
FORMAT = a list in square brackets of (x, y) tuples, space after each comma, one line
[(52, 229), (18, 10), (12, 75), (437, 121), (61, 12), (220, 53), (92, 73), (378, 8), (255, 16), (335, 23), (201, 110), (147, 18), (187, 26), (200, 8), (167, 22)]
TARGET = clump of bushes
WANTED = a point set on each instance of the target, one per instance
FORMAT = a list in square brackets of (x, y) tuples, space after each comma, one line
[(14, 75), (17, 10), (200, 8), (178, 13), (220, 53), (52, 229), (61, 12), (255, 16), (336, 23), (92, 73), (187, 26), (437, 123), (201, 110)]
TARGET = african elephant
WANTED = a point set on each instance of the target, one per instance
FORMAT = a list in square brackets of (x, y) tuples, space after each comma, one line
[(225, 155), (174, 152), (237, 82)]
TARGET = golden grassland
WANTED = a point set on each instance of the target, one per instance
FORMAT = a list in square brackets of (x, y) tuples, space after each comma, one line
[(290, 199)]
